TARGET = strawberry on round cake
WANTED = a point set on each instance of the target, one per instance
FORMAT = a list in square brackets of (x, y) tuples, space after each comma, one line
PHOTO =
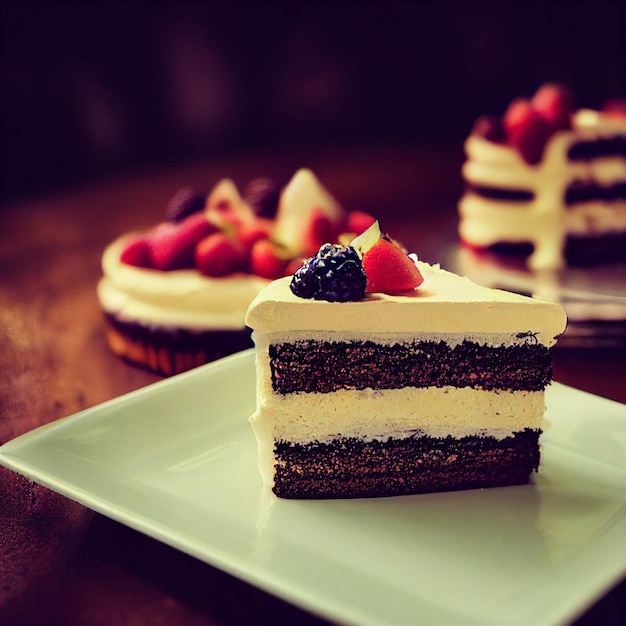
[(380, 375), (175, 296), (548, 179)]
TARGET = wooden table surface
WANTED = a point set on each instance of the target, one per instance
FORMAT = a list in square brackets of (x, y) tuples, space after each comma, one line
[(61, 564)]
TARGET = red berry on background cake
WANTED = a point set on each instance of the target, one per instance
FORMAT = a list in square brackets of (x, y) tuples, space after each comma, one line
[(266, 260), (528, 124), (218, 255), (172, 245), (359, 222), (320, 229), (555, 104), (248, 233), (526, 130), (137, 252)]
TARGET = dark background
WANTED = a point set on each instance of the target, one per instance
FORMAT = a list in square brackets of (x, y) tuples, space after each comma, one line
[(94, 89)]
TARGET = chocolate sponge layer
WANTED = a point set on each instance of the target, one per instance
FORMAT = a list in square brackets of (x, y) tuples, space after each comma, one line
[(349, 468), (575, 193), (591, 250), (589, 149), (323, 367)]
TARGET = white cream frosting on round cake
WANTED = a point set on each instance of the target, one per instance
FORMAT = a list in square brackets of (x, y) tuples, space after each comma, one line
[(177, 299), (544, 221)]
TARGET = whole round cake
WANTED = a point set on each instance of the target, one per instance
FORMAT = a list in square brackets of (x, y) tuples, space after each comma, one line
[(175, 296), (549, 178)]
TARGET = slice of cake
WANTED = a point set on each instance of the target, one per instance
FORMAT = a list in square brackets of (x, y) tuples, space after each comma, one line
[(551, 177), (438, 386)]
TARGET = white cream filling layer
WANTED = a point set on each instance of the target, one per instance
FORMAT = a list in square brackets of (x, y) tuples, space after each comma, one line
[(181, 298), (544, 221), (383, 414)]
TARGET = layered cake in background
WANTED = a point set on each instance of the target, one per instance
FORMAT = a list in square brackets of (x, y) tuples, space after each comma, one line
[(549, 176), (175, 297), (379, 375)]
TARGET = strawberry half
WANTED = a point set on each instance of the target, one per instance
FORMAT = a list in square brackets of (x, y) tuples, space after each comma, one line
[(387, 266), (389, 269)]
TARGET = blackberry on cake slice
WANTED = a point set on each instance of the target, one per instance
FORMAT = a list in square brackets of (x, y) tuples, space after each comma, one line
[(430, 383)]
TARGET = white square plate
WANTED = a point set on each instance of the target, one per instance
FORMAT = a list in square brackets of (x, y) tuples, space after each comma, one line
[(177, 461)]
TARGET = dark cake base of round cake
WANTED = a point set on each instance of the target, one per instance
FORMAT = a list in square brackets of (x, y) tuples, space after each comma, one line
[(350, 468), (170, 351), (582, 251)]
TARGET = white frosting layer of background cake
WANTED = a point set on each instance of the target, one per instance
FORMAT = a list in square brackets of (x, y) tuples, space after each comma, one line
[(181, 298), (544, 221)]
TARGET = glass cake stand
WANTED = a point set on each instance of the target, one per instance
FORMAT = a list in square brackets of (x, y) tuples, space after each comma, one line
[(594, 298)]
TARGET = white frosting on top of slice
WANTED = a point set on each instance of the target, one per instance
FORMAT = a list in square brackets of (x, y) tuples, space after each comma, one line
[(445, 303)]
